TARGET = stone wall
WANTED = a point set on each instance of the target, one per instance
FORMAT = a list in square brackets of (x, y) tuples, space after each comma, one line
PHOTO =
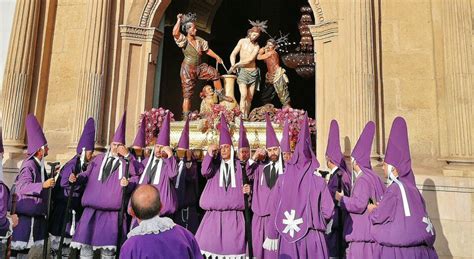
[(409, 78), (66, 56)]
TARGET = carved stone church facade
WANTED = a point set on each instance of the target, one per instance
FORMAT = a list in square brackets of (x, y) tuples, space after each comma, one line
[(73, 59)]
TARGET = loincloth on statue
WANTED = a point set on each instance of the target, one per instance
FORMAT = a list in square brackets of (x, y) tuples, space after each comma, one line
[(190, 74), (280, 81), (245, 76)]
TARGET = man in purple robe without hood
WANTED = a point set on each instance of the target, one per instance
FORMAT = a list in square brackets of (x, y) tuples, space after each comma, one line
[(264, 175), (31, 187), (102, 199), (156, 237), (339, 180), (400, 222), (60, 194), (7, 222), (367, 187), (186, 184), (303, 205), (160, 169), (221, 233)]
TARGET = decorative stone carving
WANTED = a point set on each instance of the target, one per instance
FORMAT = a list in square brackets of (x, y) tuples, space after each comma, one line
[(141, 34)]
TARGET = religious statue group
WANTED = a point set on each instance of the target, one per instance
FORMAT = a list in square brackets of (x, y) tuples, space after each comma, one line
[(274, 203), (248, 74)]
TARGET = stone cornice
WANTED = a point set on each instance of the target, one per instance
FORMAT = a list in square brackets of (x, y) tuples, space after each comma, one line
[(141, 34)]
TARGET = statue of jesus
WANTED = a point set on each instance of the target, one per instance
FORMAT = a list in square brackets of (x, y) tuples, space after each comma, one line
[(248, 74)]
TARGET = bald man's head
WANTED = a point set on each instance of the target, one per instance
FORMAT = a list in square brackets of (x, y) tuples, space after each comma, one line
[(146, 202)]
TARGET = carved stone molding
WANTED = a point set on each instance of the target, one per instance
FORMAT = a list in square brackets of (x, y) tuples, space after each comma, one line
[(149, 9), (141, 34), (324, 31), (318, 12)]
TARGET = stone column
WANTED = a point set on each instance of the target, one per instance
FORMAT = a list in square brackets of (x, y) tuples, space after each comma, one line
[(345, 70), (459, 80), (325, 45), (140, 46), (360, 86), (92, 81), (19, 74)]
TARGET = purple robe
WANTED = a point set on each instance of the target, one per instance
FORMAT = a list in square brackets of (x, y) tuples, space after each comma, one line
[(165, 186), (336, 229), (30, 206), (222, 230), (60, 196), (303, 205), (402, 210), (171, 241), (4, 222), (261, 208), (410, 237), (136, 161), (187, 191), (98, 226), (357, 225), (319, 209)]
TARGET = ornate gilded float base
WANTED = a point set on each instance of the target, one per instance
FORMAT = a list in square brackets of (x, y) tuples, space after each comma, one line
[(200, 141)]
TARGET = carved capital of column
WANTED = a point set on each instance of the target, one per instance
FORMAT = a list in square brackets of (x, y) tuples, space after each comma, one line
[(141, 34)]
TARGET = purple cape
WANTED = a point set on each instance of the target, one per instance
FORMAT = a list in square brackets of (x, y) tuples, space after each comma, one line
[(302, 205), (402, 210)]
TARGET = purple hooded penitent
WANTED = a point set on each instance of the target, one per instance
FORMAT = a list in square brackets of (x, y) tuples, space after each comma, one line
[(119, 136), (271, 140), (87, 139), (340, 180), (361, 155), (368, 187), (333, 149), (225, 137), (402, 211), (285, 139), (302, 203), (164, 135), (34, 132), (140, 137), (243, 141), (184, 139)]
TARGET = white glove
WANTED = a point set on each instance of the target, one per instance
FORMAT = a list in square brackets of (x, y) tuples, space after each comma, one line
[(270, 244)]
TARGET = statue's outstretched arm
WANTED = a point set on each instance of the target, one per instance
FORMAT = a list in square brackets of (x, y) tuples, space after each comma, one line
[(211, 53), (176, 32), (234, 53)]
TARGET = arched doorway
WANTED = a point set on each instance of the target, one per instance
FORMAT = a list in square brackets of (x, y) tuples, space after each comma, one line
[(229, 24), (141, 41)]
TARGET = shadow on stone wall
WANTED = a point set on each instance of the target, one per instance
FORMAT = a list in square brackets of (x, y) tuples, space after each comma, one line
[(429, 193)]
